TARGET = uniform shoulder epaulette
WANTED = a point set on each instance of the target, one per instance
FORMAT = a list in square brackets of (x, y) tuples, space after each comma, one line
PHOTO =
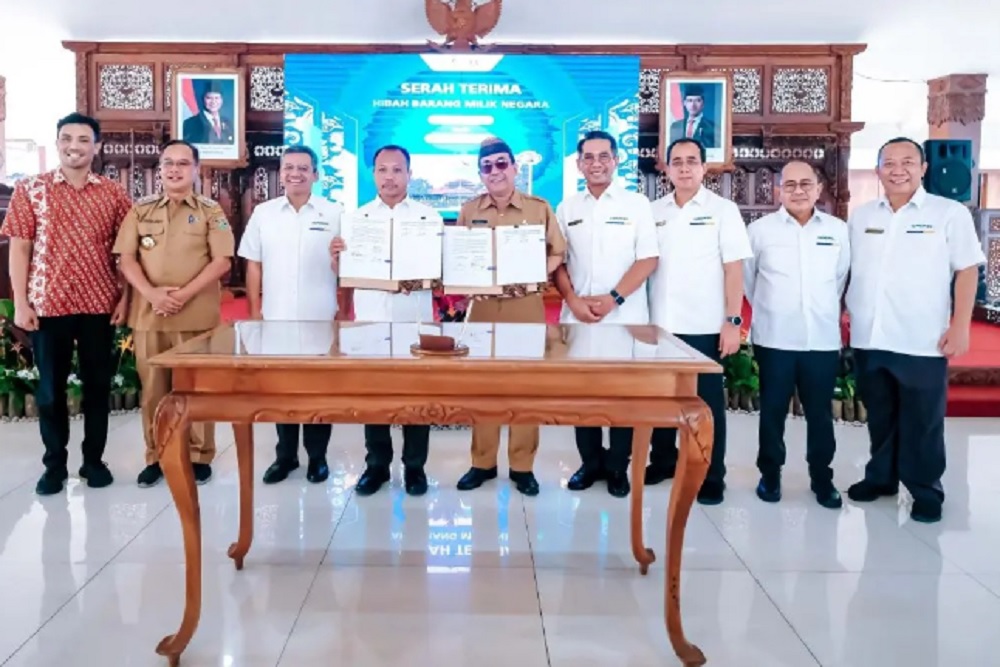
[(148, 199), (207, 201)]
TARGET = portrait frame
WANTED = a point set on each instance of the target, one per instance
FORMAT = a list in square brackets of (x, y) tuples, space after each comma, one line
[(717, 109), (223, 147)]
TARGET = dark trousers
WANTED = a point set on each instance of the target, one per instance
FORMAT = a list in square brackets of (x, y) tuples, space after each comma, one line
[(590, 444), (906, 397), (814, 375), (92, 336), (315, 437), (378, 443), (663, 452)]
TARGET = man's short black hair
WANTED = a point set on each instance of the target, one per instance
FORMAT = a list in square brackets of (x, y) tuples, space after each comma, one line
[(597, 134), (687, 140), (181, 142), (903, 140), (392, 147), (693, 90), (79, 119), (299, 149)]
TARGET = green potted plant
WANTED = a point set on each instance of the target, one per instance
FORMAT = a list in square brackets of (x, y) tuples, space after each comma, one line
[(838, 401), (74, 395), (847, 389), (5, 388), (742, 383)]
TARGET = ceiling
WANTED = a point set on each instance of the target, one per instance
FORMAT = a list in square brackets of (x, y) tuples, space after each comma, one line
[(909, 41)]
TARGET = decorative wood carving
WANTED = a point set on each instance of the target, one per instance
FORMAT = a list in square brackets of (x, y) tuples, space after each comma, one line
[(461, 23), (267, 88), (126, 87), (957, 98), (800, 90)]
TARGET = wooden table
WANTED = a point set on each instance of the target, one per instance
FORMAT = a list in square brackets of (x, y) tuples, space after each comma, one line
[(358, 373)]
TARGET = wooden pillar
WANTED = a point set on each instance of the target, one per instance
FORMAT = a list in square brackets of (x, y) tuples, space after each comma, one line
[(956, 106)]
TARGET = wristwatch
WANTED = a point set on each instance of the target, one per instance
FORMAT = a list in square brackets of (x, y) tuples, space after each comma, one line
[(619, 299), (735, 320)]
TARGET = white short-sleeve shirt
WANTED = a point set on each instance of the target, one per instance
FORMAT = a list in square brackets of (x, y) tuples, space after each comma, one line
[(687, 290), (795, 279), (605, 237), (902, 264), (378, 306), (293, 248)]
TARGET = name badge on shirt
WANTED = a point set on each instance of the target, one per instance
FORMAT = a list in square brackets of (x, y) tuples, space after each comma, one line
[(702, 221), (618, 220), (826, 240), (574, 222), (874, 230), (319, 226), (920, 228)]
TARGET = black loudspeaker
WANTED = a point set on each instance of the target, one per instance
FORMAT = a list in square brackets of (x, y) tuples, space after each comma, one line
[(949, 168)]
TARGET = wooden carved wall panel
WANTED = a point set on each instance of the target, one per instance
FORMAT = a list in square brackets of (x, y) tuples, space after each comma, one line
[(649, 90), (993, 270), (261, 187), (715, 183), (157, 182), (995, 224), (267, 88), (125, 87), (800, 90), (764, 190), (748, 92), (168, 79), (110, 171), (138, 182), (740, 186)]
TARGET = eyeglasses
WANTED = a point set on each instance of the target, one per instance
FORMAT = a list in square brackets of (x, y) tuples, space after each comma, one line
[(499, 165), (167, 164), (603, 158), (792, 186)]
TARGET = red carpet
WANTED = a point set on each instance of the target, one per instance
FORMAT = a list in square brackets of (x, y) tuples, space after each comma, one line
[(974, 389)]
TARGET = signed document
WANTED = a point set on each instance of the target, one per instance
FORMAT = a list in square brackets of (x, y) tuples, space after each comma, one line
[(468, 257), (521, 255), (416, 249), (369, 249)]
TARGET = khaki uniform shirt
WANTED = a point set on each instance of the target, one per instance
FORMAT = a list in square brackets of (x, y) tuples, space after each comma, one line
[(174, 243), (522, 209)]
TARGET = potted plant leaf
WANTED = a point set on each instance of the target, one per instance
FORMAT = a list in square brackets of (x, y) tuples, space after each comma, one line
[(5, 388), (117, 397), (27, 378), (848, 392), (74, 395)]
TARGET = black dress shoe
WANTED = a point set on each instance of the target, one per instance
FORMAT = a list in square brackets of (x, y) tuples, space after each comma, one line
[(656, 474), (318, 471), (584, 478), (525, 482), (371, 480), (827, 495), (415, 480), (97, 475), (926, 511), (711, 492), (618, 485), (865, 491), (279, 471), (202, 472), (51, 482), (769, 488), (475, 478)]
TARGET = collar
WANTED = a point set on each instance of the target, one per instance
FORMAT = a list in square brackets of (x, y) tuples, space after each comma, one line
[(60, 177), (516, 201), (789, 218), (285, 203), (917, 200), (700, 197), (611, 192), (188, 199), (380, 203)]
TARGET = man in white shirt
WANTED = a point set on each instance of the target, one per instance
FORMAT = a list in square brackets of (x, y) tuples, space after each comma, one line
[(906, 249), (794, 282), (290, 277), (612, 251), (392, 177), (696, 293)]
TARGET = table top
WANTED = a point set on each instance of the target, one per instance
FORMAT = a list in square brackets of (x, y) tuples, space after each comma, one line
[(253, 343)]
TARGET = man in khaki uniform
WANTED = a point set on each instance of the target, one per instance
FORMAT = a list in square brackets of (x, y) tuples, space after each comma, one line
[(174, 249), (504, 205)]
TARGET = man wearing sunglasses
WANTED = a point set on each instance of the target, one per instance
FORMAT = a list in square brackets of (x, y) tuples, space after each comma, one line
[(503, 204)]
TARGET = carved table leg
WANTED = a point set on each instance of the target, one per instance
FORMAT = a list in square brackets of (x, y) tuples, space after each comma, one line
[(171, 428), (244, 461), (696, 439), (640, 452)]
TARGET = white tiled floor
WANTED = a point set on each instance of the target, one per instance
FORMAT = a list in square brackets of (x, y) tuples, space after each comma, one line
[(95, 577)]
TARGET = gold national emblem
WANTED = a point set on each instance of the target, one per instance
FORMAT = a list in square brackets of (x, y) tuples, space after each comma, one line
[(148, 242)]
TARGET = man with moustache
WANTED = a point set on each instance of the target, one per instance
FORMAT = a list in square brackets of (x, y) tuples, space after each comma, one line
[(392, 176), (68, 294), (288, 245), (611, 251), (502, 204), (794, 282), (696, 293), (907, 320), (174, 249)]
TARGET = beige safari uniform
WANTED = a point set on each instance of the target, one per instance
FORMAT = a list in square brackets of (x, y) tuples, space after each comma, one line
[(522, 209), (173, 243)]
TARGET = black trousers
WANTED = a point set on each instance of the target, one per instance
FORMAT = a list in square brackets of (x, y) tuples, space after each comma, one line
[(906, 397), (663, 451), (315, 437), (814, 374), (378, 444), (92, 337), (590, 444)]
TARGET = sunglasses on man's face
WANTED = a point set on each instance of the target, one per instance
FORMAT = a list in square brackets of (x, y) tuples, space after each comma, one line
[(499, 165)]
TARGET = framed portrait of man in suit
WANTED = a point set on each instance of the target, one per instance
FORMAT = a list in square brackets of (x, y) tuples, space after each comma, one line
[(698, 105), (209, 110)]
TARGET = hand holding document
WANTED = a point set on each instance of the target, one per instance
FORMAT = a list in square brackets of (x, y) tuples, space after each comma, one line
[(368, 255), (521, 255)]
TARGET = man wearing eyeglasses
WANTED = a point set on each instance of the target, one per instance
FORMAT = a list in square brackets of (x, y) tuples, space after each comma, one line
[(612, 250), (502, 204), (174, 249), (794, 282)]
